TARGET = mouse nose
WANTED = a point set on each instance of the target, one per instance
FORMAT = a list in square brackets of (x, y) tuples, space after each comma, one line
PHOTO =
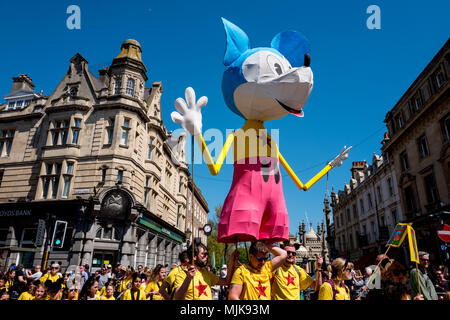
[(307, 60)]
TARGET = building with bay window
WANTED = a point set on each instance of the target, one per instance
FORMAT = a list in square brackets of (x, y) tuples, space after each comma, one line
[(94, 153)]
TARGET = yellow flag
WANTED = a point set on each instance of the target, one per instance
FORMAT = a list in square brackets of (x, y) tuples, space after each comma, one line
[(413, 252)]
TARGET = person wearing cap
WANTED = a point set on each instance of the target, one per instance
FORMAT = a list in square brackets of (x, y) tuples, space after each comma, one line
[(109, 271), (53, 276), (125, 283), (252, 281), (223, 290)]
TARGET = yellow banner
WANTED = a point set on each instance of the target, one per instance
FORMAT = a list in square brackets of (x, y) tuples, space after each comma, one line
[(413, 252)]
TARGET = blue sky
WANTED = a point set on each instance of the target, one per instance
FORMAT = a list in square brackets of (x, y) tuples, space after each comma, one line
[(359, 74)]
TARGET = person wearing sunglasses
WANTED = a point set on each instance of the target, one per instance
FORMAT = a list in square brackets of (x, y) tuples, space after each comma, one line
[(426, 285), (252, 281), (53, 275), (335, 289), (288, 280), (195, 283), (70, 292)]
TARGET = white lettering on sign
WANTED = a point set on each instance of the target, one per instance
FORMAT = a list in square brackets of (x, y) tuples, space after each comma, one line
[(165, 230), (81, 191), (15, 213)]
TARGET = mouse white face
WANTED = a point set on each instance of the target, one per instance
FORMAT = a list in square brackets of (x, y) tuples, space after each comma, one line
[(273, 89)]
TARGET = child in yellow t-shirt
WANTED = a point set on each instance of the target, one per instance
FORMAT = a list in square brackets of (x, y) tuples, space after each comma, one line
[(155, 281), (135, 292), (109, 292)]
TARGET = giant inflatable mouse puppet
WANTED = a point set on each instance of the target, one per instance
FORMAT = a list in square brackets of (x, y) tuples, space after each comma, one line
[(259, 84)]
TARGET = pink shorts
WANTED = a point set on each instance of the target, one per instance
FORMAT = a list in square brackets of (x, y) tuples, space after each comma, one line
[(255, 208)]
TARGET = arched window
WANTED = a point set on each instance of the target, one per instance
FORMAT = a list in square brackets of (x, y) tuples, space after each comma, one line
[(130, 87)]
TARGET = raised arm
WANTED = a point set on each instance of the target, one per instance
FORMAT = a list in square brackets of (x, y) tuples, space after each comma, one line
[(337, 162), (280, 256), (214, 168), (190, 118)]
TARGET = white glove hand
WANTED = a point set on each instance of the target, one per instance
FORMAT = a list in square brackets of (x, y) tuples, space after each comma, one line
[(337, 162), (190, 117)]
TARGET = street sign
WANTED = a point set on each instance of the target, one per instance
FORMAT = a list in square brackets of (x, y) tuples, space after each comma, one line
[(444, 232), (40, 234)]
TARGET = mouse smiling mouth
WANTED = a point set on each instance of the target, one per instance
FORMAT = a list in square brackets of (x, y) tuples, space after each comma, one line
[(298, 113)]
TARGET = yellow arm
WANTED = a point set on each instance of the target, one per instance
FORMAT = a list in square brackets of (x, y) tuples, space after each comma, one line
[(297, 181), (214, 168)]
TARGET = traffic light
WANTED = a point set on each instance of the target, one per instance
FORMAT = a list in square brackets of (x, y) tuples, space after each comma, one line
[(39, 241), (59, 233)]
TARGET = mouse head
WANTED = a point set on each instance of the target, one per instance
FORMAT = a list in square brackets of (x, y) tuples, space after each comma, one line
[(266, 83)]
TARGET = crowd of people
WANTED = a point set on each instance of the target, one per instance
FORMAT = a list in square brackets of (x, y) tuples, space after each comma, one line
[(278, 278)]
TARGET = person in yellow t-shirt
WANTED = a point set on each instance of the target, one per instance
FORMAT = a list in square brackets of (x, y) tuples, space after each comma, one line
[(109, 292), (289, 279), (10, 280), (196, 282), (41, 292), (252, 281), (70, 292), (28, 295), (135, 292), (154, 283), (54, 290), (167, 289), (53, 275), (335, 289), (125, 283)]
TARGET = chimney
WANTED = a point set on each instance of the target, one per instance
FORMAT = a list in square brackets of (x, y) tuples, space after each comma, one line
[(356, 167), (22, 82), (103, 76)]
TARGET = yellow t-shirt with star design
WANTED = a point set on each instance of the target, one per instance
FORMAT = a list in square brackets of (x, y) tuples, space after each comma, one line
[(255, 283), (203, 281), (326, 292), (287, 282)]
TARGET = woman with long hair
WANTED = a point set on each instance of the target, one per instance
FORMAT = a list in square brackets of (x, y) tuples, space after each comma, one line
[(154, 282), (89, 290), (335, 288)]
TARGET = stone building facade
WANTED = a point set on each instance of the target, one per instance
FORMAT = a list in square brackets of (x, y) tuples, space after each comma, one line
[(95, 153), (419, 147), (366, 212)]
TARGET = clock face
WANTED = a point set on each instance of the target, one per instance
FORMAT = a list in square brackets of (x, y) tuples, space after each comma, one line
[(207, 228)]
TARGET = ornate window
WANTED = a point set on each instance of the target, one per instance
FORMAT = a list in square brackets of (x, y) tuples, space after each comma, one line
[(130, 87)]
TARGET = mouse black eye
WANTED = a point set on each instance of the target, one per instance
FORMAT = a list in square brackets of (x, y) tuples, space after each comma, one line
[(278, 68)]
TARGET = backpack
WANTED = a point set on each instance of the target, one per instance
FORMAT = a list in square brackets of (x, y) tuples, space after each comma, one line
[(335, 291)]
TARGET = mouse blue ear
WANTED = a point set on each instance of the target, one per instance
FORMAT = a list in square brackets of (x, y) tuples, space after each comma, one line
[(237, 42), (292, 45)]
